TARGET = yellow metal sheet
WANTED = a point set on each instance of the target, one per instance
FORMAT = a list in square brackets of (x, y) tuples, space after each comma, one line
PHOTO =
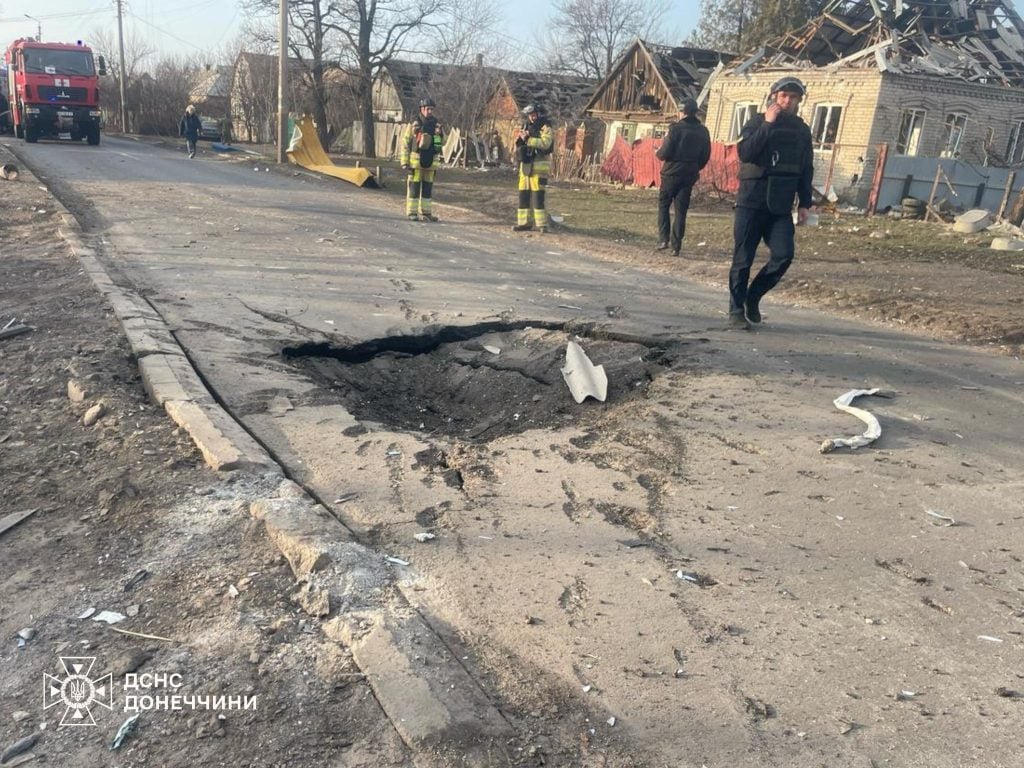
[(305, 150)]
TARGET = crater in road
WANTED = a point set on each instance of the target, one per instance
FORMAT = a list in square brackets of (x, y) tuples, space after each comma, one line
[(479, 382)]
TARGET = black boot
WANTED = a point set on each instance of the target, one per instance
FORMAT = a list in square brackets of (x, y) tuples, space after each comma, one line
[(753, 310), (662, 246)]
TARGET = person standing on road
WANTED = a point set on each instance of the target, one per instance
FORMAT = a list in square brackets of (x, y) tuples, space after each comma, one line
[(533, 151), (776, 167), (189, 127), (684, 153), (421, 144)]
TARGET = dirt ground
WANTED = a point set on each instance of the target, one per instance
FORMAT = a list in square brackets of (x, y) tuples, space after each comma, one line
[(128, 519)]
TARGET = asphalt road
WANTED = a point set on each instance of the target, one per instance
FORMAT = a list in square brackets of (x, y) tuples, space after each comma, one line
[(828, 568)]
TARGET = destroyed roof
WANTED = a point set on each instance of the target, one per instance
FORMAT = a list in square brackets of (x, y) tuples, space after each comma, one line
[(980, 41), (684, 70), (561, 95), (414, 80), (655, 78)]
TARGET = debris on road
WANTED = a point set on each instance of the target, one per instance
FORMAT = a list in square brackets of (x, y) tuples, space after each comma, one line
[(492, 349), (26, 633), (87, 613), (9, 521), (583, 378), (279, 406), (947, 522), (1009, 693), (14, 327), (15, 749), (122, 733), (990, 639), (136, 579), (110, 617), (94, 414), (9, 171), (873, 431), (424, 537), (397, 560)]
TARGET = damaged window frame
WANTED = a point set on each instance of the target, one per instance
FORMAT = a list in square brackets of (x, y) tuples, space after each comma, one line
[(955, 126), (1015, 146), (827, 120), (742, 112), (908, 136), (628, 130)]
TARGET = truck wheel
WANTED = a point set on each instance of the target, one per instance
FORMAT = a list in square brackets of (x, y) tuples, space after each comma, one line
[(93, 137), (31, 135)]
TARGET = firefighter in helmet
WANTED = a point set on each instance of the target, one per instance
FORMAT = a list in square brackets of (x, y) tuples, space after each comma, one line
[(421, 150), (533, 151), (776, 169)]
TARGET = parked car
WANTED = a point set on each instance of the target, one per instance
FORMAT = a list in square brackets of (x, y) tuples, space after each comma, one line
[(210, 128)]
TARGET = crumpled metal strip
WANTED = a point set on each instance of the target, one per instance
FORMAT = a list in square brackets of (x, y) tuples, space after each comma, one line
[(873, 431)]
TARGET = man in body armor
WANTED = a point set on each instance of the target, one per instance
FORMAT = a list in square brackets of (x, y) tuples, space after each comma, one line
[(421, 148), (533, 151), (776, 168), (684, 153)]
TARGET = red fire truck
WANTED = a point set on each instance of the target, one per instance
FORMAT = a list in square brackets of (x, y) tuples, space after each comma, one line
[(53, 89)]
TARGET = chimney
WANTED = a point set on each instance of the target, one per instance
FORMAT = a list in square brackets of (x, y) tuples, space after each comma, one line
[(479, 59)]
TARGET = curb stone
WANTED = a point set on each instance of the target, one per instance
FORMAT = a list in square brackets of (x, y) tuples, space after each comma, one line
[(413, 674), (335, 572)]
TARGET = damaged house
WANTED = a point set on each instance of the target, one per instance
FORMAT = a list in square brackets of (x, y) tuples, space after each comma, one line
[(889, 80), (640, 97), (564, 99), (460, 91)]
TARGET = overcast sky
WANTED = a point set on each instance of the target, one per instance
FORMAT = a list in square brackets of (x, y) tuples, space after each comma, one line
[(200, 26)]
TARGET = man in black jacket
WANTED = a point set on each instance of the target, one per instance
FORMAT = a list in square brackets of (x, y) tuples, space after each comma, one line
[(189, 126), (684, 153), (776, 167)]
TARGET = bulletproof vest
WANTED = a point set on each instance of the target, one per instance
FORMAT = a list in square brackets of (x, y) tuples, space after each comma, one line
[(691, 143), (781, 157)]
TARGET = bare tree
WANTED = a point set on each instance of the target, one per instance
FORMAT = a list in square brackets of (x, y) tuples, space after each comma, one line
[(136, 52), (587, 36), (377, 31), (742, 25), (161, 94), (359, 35)]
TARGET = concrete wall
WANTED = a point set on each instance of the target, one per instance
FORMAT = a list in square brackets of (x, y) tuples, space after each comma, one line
[(969, 186)]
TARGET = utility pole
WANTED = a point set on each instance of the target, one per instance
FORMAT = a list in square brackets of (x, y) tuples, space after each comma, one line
[(124, 74), (282, 82), (39, 27)]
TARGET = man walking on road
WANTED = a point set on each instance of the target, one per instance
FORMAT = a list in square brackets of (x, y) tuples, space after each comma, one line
[(421, 144), (776, 167), (684, 153), (533, 151), (189, 127)]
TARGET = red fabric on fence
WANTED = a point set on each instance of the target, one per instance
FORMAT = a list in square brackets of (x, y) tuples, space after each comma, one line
[(722, 171), (618, 166), (646, 167)]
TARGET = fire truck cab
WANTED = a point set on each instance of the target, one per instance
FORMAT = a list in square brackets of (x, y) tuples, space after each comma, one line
[(53, 89)]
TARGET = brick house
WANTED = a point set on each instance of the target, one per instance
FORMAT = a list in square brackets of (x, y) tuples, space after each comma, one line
[(926, 79)]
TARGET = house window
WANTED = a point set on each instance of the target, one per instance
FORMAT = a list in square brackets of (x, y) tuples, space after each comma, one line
[(825, 126), (740, 115), (908, 141), (956, 124), (628, 132), (1015, 149)]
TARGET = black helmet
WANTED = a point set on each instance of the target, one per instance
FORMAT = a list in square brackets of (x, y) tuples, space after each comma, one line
[(789, 85), (427, 102)]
